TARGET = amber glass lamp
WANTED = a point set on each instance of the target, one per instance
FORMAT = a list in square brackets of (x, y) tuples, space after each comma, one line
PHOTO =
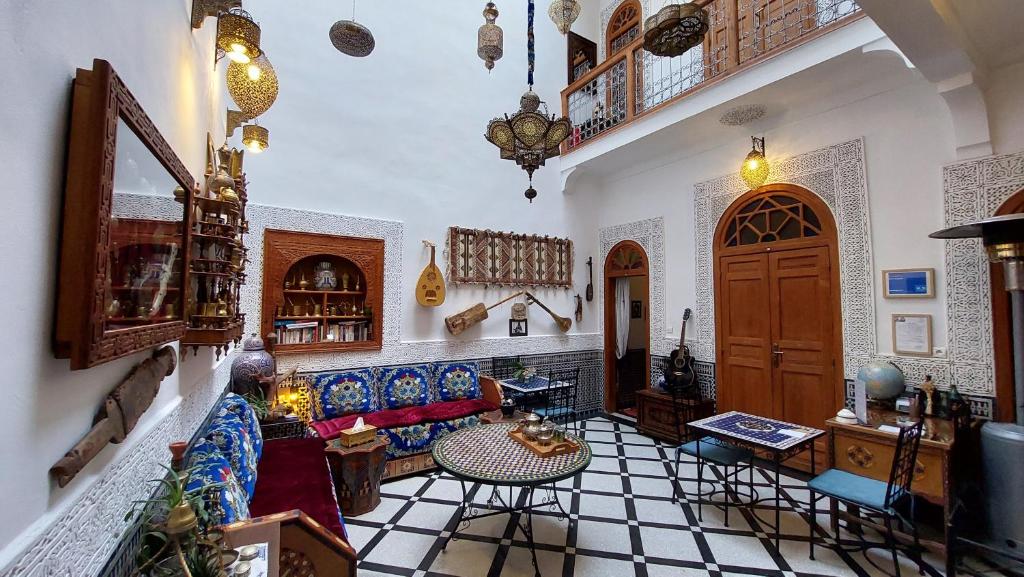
[(755, 166), (255, 138), (238, 36)]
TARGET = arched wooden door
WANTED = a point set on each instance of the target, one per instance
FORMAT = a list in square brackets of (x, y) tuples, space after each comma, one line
[(1002, 331), (626, 259), (777, 308)]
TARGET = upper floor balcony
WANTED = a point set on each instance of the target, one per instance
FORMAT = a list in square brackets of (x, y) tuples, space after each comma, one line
[(632, 84)]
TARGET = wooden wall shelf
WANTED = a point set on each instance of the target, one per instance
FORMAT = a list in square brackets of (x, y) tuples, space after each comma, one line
[(346, 317)]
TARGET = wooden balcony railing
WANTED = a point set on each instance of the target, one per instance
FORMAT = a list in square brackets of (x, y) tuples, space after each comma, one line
[(632, 82)]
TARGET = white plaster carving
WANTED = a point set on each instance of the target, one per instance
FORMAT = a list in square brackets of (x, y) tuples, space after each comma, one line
[(80, 541), (965, 97)]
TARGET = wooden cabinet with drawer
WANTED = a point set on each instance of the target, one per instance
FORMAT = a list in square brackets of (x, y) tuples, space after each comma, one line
[(655, 418)]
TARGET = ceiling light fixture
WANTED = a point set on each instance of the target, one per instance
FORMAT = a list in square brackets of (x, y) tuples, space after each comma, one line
[(490, 38), (675, 29), (563, 13), (352, 38), (238, 36), (529, 137), (755, 166)]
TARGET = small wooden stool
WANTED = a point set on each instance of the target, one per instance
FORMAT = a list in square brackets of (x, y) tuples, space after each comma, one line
[(357, 473)]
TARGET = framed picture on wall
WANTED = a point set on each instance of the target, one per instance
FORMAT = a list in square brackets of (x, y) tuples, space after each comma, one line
[(909, 283), (912, 335), (518, 328), (636, 310)]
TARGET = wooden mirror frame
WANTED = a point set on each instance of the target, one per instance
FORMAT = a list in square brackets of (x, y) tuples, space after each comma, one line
[(99, 100)]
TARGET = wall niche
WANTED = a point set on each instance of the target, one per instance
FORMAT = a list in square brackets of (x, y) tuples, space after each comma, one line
[(322, 293)]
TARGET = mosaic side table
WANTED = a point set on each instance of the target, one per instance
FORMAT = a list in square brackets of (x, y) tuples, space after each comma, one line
[(486, 454), (357, 473)]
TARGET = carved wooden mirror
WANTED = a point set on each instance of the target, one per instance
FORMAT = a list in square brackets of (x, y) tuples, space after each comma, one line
[(123, 249)]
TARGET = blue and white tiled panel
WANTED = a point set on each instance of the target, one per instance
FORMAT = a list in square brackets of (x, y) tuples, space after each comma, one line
[(591, 363), (981, 407), (705, 374)]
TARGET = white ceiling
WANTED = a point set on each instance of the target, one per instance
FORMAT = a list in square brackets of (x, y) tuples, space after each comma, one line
[(993, 27)]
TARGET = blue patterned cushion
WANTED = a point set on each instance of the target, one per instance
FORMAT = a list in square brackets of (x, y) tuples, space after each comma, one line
[(445, 427), (410, 440), (239, 406), (404, 386), (338, 394), (457, 381), (231, 436), (225, 504)]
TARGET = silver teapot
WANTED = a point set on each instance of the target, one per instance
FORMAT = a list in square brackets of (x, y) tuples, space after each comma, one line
[(531, 426)]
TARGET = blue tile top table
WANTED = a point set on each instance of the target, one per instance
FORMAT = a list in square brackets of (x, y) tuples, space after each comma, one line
[(534, 384)]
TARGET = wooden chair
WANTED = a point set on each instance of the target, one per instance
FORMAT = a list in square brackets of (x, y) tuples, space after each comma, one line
[(872, 497), (561, 396)]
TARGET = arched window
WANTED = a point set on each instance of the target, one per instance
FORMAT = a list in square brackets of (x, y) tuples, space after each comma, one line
[(771, 218), (627, 259), (624, 27)]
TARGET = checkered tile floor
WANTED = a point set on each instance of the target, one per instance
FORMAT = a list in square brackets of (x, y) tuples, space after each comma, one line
[(623, 523)]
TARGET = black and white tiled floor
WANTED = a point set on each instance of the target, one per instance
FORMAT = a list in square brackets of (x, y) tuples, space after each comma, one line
[(623, 523)]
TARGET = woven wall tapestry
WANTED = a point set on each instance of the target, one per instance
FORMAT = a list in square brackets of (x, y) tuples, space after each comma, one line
[(504, 258)]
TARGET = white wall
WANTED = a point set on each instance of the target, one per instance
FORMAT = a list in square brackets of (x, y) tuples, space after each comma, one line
[(169, 69), (398, 135)]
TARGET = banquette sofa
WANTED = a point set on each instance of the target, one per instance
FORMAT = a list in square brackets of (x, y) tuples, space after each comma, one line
[(412, 404)]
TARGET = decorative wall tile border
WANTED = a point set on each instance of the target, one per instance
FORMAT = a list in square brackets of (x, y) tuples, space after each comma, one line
[(79, 543)]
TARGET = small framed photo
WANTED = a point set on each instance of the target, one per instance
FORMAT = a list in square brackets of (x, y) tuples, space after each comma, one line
[(912, 335), (636, 310), (518, 328), (909, 283)]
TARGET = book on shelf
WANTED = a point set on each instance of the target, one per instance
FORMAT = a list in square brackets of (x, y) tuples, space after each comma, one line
[(298, 332)]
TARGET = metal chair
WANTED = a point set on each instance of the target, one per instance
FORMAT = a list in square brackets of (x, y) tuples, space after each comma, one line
[(503, 367), (876, 498), (561, 395), (732, 460)]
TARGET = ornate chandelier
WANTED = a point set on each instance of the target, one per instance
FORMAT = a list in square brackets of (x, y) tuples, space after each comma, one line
[(563, 13), (675, 29), (528, 136), (489, 38)]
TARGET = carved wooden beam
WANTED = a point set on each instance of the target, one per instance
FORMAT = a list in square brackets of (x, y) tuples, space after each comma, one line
[(119, 414)]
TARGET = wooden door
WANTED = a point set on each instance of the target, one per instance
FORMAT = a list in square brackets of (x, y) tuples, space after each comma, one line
[(745, 334), (801, 333)]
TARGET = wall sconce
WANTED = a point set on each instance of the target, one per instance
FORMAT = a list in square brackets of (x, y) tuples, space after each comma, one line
[(252, 86), (201, 9), (238, 36), (755, 166), (255, 138)]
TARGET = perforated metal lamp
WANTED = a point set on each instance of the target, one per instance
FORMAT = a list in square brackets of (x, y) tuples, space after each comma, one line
[(255, 138), (675, 29), (253, 86), (563, 13), (490, 38), (755, 166), (238, 36)]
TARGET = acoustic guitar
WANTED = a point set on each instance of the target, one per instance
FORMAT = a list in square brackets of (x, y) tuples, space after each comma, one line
[(680, 375), (430, 285)]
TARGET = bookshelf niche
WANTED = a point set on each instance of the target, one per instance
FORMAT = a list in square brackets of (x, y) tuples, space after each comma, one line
[(322, 293)]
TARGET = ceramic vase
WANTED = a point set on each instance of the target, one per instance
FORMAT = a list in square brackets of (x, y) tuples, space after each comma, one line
[(250, 365)]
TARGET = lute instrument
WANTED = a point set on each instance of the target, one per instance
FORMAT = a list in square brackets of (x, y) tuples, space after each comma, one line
[(430, 285), (679, 375), (590, 285)]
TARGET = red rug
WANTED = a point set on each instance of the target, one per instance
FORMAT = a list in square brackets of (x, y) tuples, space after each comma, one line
[(630, 412)]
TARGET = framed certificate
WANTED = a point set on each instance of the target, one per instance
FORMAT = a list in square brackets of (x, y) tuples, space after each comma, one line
[(912, 335), (909, 283)]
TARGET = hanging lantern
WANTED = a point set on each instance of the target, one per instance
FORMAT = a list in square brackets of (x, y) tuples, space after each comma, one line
[(490, 38), (351, 37), (252, 86), (529, 137), (238, 36), (563, 13), (255, 138), (755, 166), (675, 29)]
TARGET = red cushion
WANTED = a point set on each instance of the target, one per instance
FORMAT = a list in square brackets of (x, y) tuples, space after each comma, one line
[(405, 417), (293, 474)]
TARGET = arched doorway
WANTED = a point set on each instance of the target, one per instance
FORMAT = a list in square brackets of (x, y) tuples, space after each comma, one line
[(627, 261), (623, 27), (778, 318), (1001, 329)]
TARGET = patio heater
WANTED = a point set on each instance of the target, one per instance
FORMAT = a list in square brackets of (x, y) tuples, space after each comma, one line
[(1002, 444)]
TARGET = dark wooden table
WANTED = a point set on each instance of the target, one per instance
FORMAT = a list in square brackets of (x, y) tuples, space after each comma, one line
[(357, 472), (655, 416)]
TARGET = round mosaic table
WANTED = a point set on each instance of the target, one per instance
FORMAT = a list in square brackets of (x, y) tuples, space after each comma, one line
[(486, 454)]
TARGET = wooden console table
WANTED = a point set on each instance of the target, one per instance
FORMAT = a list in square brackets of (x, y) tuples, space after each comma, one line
[(655, 416)]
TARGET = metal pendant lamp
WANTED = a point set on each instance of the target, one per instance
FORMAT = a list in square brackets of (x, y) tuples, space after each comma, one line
[(351, 37), (238, 36), (252, 86), (563, 13), (675, 29), (490, 38), (755, 166), (529, 137)]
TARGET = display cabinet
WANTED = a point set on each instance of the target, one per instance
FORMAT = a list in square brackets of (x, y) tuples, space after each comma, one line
[(217, 254), (322, 292)]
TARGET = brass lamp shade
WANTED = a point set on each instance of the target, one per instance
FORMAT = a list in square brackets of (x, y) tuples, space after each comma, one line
[(352, 38), (490, 38), (755, 166), (255, 138), (563, 13), (238, 36), (675, 29), (252, 86)]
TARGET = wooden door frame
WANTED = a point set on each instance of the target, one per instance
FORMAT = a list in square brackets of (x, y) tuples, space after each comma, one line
[(829, 238), (1002, 334), (610, 392)]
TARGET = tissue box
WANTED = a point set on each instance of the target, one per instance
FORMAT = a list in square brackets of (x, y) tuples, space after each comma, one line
[(352, 437)]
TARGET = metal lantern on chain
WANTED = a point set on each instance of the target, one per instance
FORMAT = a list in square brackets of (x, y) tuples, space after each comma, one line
[(529, 137), (351, 37), (755, 166), (490, 38), (675, 29), (563, 13)]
